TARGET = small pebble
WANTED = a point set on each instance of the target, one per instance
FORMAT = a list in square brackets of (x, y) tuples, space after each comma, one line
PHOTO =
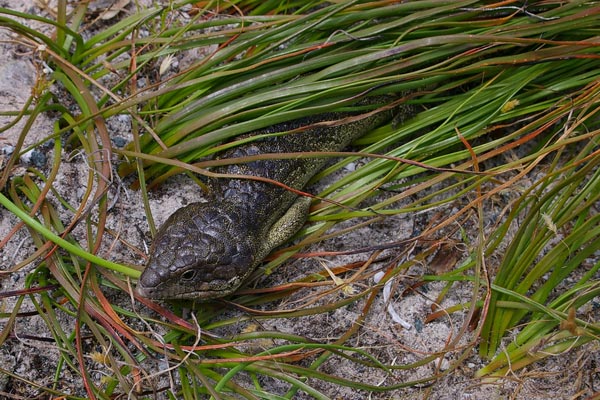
[(119, 141), (7, 149), (445, 365), (35, 158)]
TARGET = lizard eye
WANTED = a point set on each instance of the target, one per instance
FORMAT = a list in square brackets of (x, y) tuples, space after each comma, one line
[(188, 275)]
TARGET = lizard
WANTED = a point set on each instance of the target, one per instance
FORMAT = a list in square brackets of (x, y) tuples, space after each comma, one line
[(207, 250)]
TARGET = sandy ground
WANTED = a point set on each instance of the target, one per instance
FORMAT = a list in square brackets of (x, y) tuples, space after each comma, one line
[(30, 353)]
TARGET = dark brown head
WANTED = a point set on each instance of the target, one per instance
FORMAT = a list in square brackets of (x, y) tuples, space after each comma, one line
[(202, 251)]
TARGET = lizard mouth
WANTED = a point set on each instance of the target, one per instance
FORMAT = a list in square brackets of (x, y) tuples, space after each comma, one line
[(155, 293), (152, 285)]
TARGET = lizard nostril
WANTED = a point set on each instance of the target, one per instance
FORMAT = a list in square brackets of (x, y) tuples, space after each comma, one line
[(149, 279)]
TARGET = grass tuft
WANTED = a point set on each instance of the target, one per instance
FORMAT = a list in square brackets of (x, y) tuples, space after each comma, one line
[(497, 148)]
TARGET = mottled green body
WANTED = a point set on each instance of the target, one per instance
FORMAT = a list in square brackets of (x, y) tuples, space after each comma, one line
[(207, 250)]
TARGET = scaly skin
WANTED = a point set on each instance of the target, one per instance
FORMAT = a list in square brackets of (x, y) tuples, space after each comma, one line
[(207, 250)]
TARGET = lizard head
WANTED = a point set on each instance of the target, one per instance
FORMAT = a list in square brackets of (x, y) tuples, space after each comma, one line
[(200, 252)]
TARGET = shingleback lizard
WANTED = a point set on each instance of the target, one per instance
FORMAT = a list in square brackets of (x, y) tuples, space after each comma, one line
[(207, 250)]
